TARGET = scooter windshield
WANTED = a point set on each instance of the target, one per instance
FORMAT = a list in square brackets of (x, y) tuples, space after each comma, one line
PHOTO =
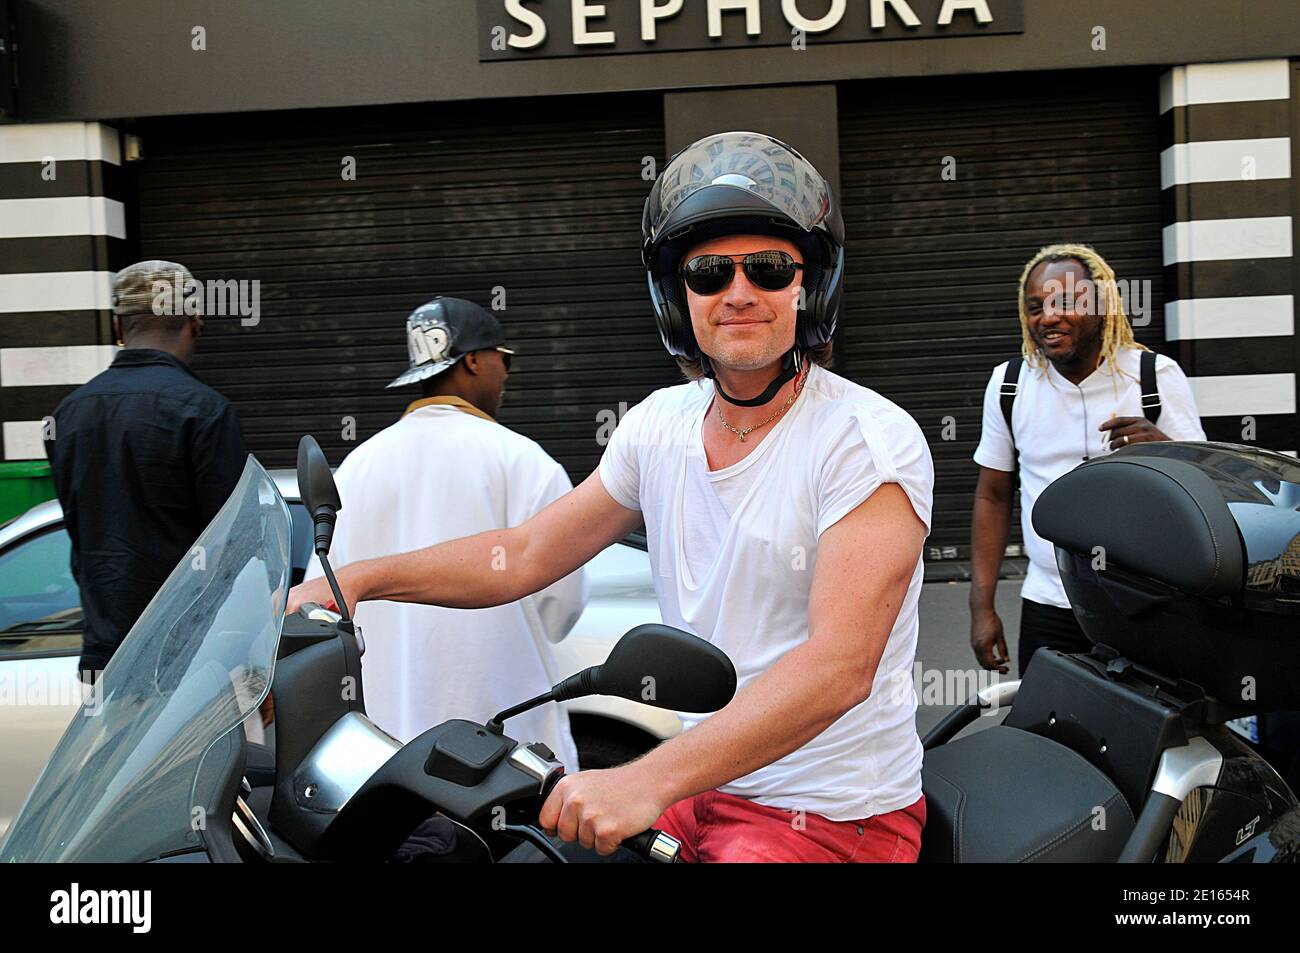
[(147, 758)]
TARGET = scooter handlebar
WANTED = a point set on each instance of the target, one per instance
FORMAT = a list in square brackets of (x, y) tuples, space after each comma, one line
[(655, 845), (651, 844)]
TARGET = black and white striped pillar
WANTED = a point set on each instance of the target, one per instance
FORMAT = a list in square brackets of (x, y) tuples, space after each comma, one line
[(1226, 173), (62, 236)]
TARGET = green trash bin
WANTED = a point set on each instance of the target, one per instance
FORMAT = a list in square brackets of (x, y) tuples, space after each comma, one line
[(23, 484)]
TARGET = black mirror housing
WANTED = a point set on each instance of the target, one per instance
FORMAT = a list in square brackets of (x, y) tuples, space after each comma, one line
[(319, 493), (658, 665)]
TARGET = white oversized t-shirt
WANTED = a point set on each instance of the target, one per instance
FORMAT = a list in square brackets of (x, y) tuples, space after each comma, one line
[(1056, 429), (437, 474), (733, 552)]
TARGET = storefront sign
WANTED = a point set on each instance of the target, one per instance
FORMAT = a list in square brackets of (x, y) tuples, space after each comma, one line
[(524, 29)]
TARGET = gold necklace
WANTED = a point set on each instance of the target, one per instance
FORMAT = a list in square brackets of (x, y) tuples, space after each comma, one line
[(742, 434)]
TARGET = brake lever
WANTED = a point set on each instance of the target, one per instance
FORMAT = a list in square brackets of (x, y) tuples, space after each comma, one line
[(538, 839)]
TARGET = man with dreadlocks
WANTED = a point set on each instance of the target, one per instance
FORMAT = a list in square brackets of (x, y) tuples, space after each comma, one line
[(1074, 394)]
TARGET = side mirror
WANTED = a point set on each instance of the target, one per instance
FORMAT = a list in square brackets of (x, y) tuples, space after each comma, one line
[(319, 493), (320, 496), (661, 666)]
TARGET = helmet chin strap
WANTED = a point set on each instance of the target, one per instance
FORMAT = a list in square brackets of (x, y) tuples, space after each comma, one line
[(790, 364)]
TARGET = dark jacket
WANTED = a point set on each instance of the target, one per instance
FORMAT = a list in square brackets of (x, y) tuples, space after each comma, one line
[(143, 456)]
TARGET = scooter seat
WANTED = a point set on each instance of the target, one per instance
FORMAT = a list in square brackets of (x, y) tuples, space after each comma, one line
[(1003, 795)]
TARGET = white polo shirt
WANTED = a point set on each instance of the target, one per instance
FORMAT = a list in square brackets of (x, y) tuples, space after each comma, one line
[(1056, 425)]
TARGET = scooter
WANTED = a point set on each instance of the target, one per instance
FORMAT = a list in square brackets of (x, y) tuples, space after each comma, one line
[(1119, 754), (1181, 562), (158, 768)]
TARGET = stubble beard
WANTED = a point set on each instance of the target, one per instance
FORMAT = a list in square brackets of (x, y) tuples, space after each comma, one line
[(747, 355)]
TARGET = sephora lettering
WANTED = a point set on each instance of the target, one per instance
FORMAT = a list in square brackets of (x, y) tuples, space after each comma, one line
[(512, 29)]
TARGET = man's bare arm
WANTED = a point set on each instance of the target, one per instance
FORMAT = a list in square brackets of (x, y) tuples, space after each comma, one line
[(492, 568), (990, 526)]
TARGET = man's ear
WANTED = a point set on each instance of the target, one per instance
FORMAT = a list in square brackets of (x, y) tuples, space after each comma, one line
[(470, 360)]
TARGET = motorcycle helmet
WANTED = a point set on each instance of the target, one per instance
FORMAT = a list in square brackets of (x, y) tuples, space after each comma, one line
[(742, 183)]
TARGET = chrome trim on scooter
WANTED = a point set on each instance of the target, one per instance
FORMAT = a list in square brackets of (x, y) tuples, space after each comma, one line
[(998, 694), (346, 756), (321, 614), (665, 848), (251, 829), (534, 765), (1193, 765)]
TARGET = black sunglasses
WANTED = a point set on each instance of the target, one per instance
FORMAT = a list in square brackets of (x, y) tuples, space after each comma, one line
[(505, 355), (769, 270)]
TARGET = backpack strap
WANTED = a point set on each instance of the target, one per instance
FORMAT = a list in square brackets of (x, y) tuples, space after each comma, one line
[(1007, 397), (1150, 392), (1008, 391)]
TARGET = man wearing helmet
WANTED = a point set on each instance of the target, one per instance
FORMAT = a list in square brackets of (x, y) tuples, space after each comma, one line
[(785, 509)]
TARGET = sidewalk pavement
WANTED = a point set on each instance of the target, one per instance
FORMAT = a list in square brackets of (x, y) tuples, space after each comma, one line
[(944, 644)]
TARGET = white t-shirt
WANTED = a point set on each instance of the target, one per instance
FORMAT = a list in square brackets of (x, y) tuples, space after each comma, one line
[(1056, 425), (437, 474), (733, 553)]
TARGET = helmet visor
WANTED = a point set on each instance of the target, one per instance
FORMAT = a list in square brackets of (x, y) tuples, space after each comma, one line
[(759, 164)]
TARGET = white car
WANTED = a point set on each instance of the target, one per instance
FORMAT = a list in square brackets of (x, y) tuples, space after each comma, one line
[(40, 641)]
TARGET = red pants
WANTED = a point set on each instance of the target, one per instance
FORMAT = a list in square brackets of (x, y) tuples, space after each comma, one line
[(722, 828)]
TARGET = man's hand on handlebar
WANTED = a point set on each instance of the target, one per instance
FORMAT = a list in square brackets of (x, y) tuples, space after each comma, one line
[(318, 590), (601, 809)]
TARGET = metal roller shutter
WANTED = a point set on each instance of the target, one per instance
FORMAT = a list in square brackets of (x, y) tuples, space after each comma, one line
[(446, 200), (933, 264)]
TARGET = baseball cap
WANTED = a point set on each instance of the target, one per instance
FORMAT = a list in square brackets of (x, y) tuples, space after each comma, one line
[(138, 288), (441, 332)]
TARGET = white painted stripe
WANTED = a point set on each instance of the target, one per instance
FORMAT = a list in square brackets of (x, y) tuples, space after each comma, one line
[(23, 440), (69, 215), (1232, 160), (43, 366), (57, 291), (1220, 239), (1252, 316), (1241, 82), (72, 141), (1233, 394)]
